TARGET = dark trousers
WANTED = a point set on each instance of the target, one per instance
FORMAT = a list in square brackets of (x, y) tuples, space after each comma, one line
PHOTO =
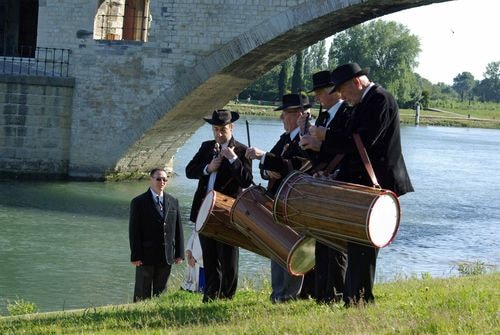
[(150, 279), (308, 285), (220, 262), (360, 274), (284, 285), (330, 272)]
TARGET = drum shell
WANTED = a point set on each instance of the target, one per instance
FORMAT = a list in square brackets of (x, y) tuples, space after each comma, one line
[(251, 214), (213, 221), (330, 210)]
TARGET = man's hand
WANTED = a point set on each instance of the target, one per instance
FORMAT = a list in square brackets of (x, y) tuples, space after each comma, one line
[(310, 142), (136, 263), (190, 259), (229, 153), (254, 153), (178, 260), (318, 132), (214, 164)]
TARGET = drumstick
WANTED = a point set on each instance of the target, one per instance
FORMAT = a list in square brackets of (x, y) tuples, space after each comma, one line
[(248, 133)]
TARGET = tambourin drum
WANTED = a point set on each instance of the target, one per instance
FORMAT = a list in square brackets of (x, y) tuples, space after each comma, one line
[(213, 221), (329, 209), (251, 214)]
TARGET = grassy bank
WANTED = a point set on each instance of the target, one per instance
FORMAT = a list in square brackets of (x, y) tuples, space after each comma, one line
[(461, 305), (474, 117)]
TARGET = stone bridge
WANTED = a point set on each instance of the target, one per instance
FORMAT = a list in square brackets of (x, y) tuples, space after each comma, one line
[(138, 95)]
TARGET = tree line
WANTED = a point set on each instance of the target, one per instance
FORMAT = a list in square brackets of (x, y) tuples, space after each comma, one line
[(391, 51)]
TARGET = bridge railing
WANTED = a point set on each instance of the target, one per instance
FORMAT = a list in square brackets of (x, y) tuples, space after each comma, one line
[(39, 61)]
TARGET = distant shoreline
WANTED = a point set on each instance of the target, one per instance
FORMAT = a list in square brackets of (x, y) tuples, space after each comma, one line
[(429, 117)]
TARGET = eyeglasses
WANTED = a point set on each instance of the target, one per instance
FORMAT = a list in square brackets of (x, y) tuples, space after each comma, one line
[(161, 179)]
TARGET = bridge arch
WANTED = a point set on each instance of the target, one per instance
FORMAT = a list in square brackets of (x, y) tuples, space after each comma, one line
[(134, 102), (225, 72), (221, 75)]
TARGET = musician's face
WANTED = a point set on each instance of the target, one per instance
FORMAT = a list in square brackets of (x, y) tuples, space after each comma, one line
[(351, 91), (323, 97), (289, 118), (223, 134)]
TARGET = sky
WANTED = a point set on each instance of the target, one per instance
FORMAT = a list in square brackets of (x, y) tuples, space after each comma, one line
[(455, 36)]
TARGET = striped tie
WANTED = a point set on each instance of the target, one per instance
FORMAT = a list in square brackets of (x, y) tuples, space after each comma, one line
[(160, 205)]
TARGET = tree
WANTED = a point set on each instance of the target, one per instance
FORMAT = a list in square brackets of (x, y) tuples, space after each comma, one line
[(489, 88), (283, 77), (264, 88), (388, 48), (464, 83), (298, 73)]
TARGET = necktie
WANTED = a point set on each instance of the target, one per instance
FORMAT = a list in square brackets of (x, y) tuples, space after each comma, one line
[(325, 119), (160, 205)]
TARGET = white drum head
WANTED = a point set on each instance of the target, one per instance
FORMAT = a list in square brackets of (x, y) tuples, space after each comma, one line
[(383, 221), (205, 210)]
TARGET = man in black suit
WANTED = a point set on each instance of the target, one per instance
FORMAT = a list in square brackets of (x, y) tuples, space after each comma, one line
[(375, 118), (329, 272), (275, 165), (219, 165), (156, 237)]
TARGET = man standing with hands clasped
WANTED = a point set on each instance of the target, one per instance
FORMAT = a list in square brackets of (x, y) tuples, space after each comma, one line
[(156, 237), (219, 165)]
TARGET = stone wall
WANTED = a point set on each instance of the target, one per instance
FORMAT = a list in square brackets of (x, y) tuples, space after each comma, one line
[(35, 126)]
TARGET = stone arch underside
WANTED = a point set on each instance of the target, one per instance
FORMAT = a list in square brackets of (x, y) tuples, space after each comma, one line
[(218, 77)]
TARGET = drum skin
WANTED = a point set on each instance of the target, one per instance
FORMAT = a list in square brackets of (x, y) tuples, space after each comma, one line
[(335, 212)]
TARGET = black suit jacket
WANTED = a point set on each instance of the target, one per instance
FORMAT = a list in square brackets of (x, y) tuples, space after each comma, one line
[(153, 239), (376, 119), (284, 157), (231, 178)]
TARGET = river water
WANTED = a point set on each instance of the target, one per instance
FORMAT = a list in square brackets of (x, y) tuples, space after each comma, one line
[(64, 245)]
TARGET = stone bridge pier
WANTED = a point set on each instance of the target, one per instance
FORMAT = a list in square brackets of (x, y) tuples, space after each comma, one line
[(143, 73)]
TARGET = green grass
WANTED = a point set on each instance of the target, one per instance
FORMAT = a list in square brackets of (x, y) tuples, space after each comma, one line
[(459, 305)]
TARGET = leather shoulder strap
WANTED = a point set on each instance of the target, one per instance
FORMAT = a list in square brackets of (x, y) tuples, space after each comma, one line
[(365, 159)]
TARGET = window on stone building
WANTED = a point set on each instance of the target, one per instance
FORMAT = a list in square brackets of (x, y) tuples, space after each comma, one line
[(18, 27), (122, 20)]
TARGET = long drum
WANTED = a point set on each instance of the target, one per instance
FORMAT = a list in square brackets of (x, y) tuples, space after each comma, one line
[(251, 214), (333, 210), (213, 221)]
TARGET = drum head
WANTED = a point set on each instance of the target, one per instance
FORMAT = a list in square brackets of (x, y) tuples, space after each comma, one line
[(302, 259), (205, 209), (383, 222)]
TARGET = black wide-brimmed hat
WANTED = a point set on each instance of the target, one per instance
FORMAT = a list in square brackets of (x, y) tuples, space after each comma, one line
[(221, 117), (345, 72), (321, 79), (294, 100)]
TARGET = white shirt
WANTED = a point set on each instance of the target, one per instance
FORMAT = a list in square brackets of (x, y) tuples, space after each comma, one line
[(157, 195), (367, 89)]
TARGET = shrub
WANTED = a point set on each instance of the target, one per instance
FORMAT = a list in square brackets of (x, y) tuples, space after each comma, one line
[(20, 307), (472, 268)]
